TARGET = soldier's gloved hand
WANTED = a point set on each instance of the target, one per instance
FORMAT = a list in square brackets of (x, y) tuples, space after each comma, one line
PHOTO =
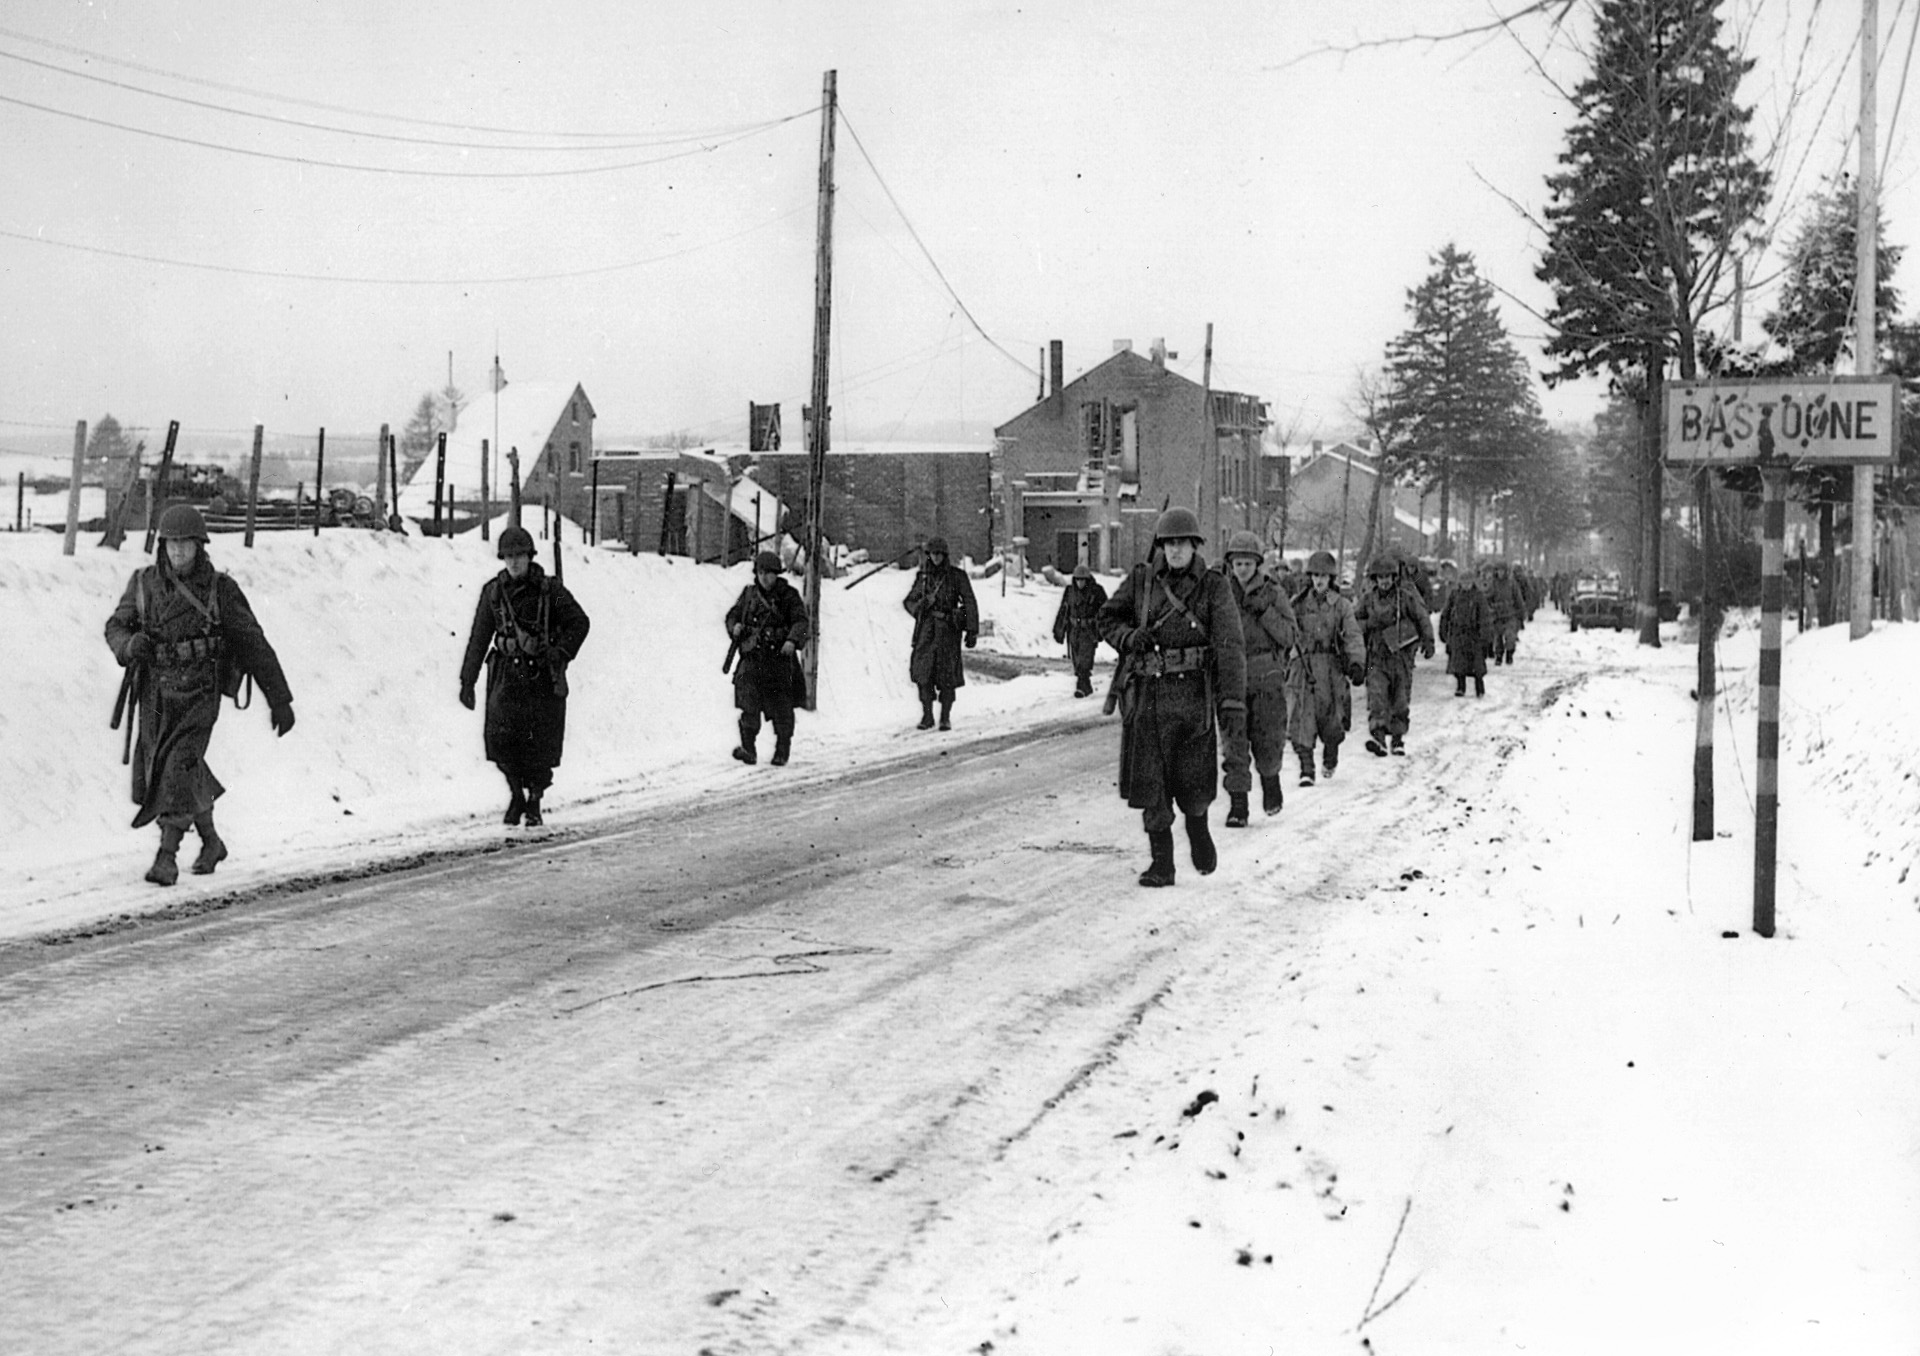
[(1139, 640), (139, 648), (1357, 674), (972, 640), (466, 695), (1233, 723), (733, 632), (787, 648), (1426, 650), (281, 718)]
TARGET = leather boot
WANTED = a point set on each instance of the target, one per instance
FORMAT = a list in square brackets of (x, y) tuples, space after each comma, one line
[(1160, 872), (212, 850), (534, 820), (166, 865), (746, 751), (926, 714), (1271, 796), (1305, 755), (1236, 809), (516, 802), (1200, 845), (946, 713), (782, 746)]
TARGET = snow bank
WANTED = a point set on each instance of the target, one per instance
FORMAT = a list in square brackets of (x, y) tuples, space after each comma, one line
[(384, 761)]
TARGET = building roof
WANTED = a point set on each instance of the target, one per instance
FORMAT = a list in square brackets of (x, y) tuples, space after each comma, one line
[(527, 413)]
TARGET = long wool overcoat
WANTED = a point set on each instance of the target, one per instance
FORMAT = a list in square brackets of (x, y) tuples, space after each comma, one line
[(944, 615), (1466, 629), (179, 695), (529, 623), (1319, 704), (1077, 622), (1169, 743), (767, 678)]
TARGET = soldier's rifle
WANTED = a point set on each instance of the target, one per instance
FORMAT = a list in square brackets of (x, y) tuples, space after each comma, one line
[(885, 564), (126, 706), (749, 621)]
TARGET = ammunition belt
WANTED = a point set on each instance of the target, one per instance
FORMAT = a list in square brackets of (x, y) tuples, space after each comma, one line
[(1173, 663), (177, 652)]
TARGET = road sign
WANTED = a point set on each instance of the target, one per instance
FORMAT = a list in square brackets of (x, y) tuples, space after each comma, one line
[(1778, 423)]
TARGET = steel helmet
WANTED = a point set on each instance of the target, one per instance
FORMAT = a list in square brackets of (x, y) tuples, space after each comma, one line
[(1383, 568), (515, 541), (936, 546), (1245, 543), (1081, 571), (182, 522), (766, 563), (1178, 523), (1322, 562)]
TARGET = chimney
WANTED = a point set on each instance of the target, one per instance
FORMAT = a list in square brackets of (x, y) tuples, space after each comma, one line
[(1158, 350), (1057, 364), (1123, 345)]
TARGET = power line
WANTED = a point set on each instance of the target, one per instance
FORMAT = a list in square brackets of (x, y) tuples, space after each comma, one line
[(417, 173), (275, 97), (377, 136), (399, 282), (861, 146)]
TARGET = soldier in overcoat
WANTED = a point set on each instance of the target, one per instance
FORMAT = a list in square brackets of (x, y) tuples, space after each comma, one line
[(527, 629), (186, 635), (1466, 629), (945, 616), (1331, 656), (1271, 636), (1508, 605), (1077, 625), (768, 624), (1182, 664), (1393, 620)]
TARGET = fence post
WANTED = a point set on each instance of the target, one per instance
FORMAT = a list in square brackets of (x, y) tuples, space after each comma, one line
[(319, 484), (73, 487), (253, 480)]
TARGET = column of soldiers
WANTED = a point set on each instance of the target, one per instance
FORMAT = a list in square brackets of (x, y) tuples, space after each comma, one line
[(1217, 672)]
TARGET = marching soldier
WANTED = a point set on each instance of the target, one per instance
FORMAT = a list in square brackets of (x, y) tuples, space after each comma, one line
[(768, 623), (1177, 630), (1466, 629), (1077, 625), (1392, 620), (944, 615), (1331, 656), (186, 636), (535, 629), (1270, 635), (1508, 605)]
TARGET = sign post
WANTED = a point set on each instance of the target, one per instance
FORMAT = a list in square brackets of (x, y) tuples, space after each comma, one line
[(1775, 425)]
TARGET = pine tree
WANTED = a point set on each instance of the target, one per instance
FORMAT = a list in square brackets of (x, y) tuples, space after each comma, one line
[(1460, 394), (1813, 325), (1656, 198), (108, 449)]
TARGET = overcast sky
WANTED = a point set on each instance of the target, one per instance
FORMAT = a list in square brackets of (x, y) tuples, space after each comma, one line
[(1080, 171)]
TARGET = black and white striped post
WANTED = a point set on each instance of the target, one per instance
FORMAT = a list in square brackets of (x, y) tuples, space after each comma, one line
[(1766, 807)]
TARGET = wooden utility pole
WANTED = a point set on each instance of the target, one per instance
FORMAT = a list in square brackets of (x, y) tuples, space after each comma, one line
[(1210, 511), (486, 500), (818, 438), (73, 488), (1866, 285)]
